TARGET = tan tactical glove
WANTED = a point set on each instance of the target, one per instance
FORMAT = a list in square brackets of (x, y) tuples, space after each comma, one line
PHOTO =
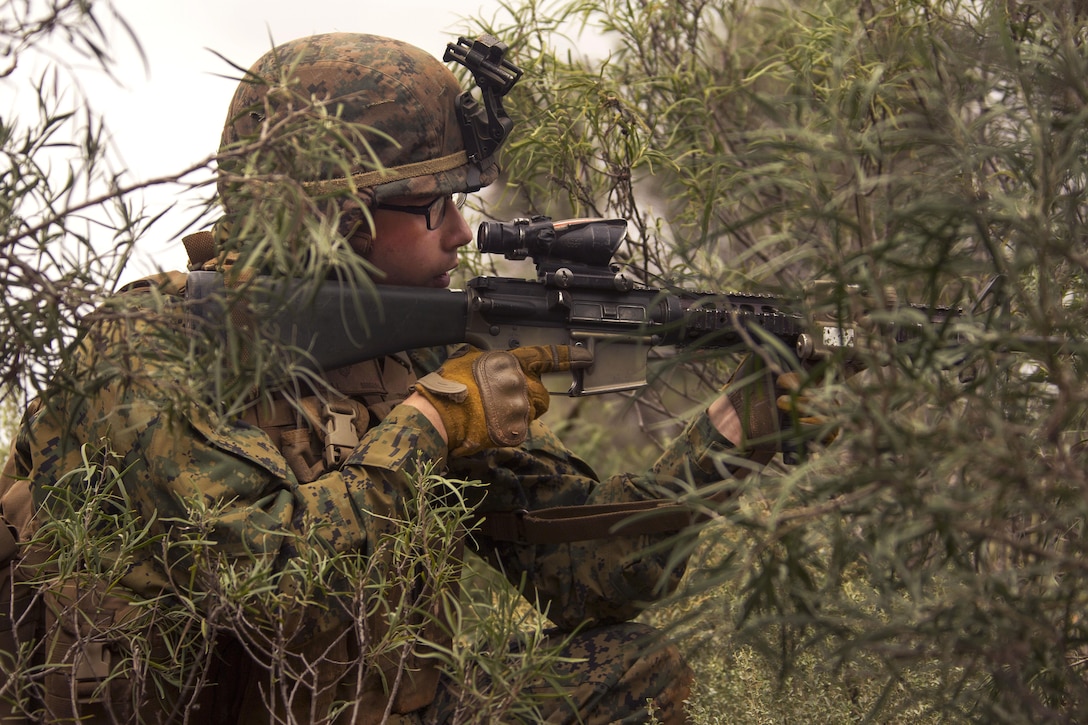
[(488, 399)]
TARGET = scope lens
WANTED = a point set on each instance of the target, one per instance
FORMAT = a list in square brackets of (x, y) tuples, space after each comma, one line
[(500, 237), (484, 235)]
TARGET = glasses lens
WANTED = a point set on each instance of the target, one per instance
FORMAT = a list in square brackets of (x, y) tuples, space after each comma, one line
[(436, 212)]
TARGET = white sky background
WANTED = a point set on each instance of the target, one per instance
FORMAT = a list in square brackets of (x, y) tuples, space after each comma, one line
[(168, 115)]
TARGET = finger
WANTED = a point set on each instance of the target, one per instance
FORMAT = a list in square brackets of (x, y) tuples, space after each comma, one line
[(789, 381), (552, 358), (799, 407), (579, 357)]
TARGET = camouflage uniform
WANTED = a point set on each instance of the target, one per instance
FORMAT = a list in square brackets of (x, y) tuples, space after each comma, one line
[(266, 509), (266, 512)]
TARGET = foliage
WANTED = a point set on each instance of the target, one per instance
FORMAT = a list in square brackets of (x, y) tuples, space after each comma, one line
[(93, 539), (69, 218), (921, 151), (57, 186)]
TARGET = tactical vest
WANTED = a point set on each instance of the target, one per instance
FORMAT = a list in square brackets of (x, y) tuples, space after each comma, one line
[(316, 434)]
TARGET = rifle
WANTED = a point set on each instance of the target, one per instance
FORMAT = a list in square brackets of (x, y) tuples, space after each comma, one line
[(580, 297)]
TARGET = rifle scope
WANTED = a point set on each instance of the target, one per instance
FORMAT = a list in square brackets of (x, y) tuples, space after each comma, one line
[(579, 241)]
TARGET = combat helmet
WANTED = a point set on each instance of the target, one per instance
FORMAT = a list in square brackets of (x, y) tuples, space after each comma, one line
[(427, 136)]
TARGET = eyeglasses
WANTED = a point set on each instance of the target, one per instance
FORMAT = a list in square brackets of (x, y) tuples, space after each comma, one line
[(435, 211)]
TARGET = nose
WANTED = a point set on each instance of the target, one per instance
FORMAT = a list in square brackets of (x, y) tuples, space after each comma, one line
[(455, 231)]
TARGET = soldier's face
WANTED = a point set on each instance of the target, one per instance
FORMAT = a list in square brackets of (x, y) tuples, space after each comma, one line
[(410, 254)]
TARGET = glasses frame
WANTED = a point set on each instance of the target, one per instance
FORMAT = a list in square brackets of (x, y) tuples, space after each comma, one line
[(434, 211)]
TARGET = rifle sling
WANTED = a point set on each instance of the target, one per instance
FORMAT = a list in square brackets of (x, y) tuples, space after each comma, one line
[(566, 524)]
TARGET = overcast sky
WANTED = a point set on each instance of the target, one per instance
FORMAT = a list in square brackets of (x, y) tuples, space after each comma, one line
[(168, 115)]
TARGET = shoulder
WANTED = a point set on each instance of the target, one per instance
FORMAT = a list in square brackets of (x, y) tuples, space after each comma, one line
[(167, 283)]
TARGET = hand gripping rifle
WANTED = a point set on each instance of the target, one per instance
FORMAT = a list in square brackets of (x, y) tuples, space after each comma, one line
[(580, 297)]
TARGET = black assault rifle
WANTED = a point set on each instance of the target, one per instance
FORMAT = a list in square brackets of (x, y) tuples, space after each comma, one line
[(580, 297)]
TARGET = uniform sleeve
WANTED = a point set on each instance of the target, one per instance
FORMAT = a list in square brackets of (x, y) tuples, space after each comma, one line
[(601, 580)]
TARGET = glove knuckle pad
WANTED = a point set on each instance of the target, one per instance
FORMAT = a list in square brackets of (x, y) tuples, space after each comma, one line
[(504, 397)]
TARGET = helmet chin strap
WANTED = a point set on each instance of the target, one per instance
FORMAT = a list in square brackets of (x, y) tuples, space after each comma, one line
[(484, 129)]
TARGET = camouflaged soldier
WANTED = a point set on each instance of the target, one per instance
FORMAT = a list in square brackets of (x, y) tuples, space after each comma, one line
[(275, 474)]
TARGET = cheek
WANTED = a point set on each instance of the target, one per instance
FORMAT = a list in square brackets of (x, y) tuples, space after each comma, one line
[(391, 251), (397, 261), (395, 239)]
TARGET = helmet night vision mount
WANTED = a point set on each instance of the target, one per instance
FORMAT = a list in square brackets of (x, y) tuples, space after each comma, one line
[(484, 129)]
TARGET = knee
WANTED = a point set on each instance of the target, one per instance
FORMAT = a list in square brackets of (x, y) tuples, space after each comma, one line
[(668, 678), (633, 670)]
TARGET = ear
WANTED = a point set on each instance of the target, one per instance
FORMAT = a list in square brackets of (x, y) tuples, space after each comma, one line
[(362, 241), (356, 225)]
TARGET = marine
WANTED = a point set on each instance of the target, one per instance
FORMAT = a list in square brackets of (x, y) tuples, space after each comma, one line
[(314, 481)]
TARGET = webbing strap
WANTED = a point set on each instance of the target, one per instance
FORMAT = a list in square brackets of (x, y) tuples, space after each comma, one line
[(565, 524), (385, 176)]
